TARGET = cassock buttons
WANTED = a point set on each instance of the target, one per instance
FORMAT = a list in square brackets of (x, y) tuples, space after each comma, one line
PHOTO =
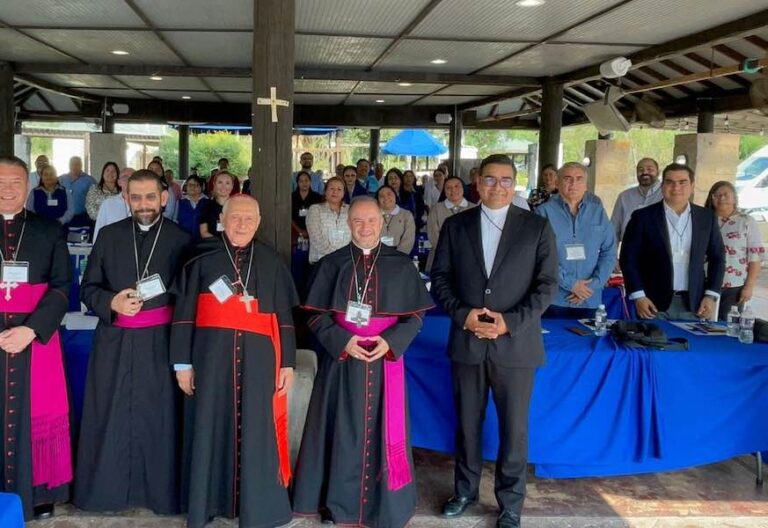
[(488, 291)]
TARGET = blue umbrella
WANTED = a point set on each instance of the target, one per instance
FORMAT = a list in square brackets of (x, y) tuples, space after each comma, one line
[(414, 142)]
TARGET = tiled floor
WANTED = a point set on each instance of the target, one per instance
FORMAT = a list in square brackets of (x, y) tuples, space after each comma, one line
[(716, 496)]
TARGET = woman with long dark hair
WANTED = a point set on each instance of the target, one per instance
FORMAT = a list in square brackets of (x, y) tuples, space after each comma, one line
[(106, 187)]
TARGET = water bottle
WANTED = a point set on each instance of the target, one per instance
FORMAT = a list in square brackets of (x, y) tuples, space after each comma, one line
[(416, 263), (746, 325), (733, 322), (601, 321)]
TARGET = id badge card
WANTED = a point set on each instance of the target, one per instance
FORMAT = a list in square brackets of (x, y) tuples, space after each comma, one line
[(388, 240), (680, 256), (358, 313), (53, 202), (150, 287), (222, 289), (219, 227), (575, 252), (302, 212), (336, 236), (15, 271)]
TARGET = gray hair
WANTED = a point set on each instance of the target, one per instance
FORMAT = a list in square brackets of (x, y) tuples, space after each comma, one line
[(572, 165)]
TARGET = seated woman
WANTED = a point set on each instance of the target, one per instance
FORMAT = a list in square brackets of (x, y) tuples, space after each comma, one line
[(301, 200), (49, 199), (191, 207), (223, 184), (744, 251), (327, 222), (106, 187), (548, 187), (399, 229)]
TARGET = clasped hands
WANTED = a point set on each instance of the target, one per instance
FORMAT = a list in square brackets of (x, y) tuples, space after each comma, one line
[(15, 340), (580, 292), (126, 302), (354, 349), (478, 323)]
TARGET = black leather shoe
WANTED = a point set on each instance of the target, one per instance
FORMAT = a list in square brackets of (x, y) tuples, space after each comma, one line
[(508, 519), (457, 505), (43, 511), (326, 517)]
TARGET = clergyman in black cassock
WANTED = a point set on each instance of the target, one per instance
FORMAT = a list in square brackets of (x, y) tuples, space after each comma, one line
[(37, 458), (234, 351), (354, 466), (129, 434)]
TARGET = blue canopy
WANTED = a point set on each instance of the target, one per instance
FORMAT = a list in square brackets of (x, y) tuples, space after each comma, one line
[(414, 142)]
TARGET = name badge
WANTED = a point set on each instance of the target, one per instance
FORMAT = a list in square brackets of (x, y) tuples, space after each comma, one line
[(681, 256), (222, 289), (53, 202), (358, 313), (302, 212), (15, 271), (219, 227), (388, 240), (150, 287), (336, 236), (575, 252)]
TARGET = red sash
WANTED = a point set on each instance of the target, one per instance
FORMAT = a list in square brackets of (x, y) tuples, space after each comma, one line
[(146, 318), (51, 449), (396, 441), (232, 315)]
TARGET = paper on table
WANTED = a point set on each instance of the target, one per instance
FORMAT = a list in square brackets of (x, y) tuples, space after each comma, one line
[(701, 329), (79, 321)]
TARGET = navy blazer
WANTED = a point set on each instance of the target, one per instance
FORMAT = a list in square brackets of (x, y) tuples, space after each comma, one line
[(646, 256), (520, 285)]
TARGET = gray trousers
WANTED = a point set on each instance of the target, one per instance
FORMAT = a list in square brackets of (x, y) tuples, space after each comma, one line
[(678, 310)]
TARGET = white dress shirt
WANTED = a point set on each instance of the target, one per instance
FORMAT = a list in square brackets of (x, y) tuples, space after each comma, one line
[(491, 225)]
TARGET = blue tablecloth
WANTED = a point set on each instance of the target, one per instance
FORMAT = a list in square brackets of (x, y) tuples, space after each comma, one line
[(77, 349), (11, 514), (598, 409)]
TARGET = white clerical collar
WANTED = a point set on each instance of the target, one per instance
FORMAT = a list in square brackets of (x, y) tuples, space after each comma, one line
[(495, 213), (365, 251), (450, 205), (10, 216), (685, 212), (146, 228), (394, 211)]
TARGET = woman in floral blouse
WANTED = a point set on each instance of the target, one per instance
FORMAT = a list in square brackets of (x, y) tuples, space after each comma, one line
[(744, 251)]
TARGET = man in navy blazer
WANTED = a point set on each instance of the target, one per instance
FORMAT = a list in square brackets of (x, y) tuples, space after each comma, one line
[(666, 249), (494, 272)]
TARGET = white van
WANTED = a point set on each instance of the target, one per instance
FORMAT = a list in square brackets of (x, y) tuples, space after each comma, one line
[(752, 167)]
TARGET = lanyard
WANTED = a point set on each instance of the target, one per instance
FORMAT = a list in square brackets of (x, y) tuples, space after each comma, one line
[(678, 233), (18, 246), (237, 271), (491, 221), (142, 276), (358, 293)]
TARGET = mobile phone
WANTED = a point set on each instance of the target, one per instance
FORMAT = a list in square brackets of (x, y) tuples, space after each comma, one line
[(579, 330)]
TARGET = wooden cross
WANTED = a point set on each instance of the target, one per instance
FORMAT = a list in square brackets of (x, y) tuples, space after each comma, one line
[(246, 299), (8, 286), (273, 101)]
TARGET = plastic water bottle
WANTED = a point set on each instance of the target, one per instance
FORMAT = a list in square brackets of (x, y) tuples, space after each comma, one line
[(601, 321), (733, 322), (746, 326), (416, 263)]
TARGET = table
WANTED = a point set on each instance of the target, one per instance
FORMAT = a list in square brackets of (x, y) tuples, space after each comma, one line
[(78, 259), (11, 513), (599, 409)]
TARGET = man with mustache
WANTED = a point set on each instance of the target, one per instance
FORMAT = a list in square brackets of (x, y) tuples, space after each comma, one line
[(127, 454), (37, 458), (647, 192)]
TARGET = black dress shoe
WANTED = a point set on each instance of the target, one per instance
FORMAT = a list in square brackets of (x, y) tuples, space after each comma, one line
[(508, 519), (43, 511), (457, 505), (326, 517)]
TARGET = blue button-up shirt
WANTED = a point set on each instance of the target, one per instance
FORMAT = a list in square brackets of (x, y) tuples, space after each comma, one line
[(591, 228), (77, 189)]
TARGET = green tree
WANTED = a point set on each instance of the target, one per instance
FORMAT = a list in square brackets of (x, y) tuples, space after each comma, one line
[(205, 151)]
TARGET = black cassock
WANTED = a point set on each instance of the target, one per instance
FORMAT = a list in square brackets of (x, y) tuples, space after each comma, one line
[(341, 470), (230, 450), (44, 247), (129, 435)]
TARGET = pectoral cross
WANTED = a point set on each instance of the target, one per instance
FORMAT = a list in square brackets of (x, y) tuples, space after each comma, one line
[(273, 101), (246, 299), (8, 286)]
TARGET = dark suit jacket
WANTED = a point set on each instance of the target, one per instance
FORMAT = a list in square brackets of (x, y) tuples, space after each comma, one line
[(646, 255), (520, 286)]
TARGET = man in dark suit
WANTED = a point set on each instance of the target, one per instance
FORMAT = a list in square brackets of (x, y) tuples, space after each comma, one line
[(665, 250), (495, 272)]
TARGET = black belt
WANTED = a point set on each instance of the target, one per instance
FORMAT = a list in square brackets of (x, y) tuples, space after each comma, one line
[(681, 293)]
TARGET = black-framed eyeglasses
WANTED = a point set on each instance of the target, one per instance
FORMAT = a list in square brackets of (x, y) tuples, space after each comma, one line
[(506, 183)]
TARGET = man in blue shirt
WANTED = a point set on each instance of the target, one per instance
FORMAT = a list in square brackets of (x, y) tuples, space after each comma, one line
[(317, 182), (586, 244), (367, 180), (77, 183)]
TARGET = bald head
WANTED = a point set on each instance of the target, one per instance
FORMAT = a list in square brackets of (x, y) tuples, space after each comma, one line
[(365, 222), (240, 217)]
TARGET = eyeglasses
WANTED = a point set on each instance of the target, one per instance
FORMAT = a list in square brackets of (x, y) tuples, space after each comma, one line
[(506, 183)]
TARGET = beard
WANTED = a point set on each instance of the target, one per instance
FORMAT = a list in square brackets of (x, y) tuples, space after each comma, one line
[(146, 217)]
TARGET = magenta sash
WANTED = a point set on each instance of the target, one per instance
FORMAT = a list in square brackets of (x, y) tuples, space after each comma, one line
[(51, 449), (397, 467), (146, 318)]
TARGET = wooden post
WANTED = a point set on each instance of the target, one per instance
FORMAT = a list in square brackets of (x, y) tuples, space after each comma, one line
[(272, 119), (551, 123), (455, 133), (373, 146), (183, 153), (7, 110)]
